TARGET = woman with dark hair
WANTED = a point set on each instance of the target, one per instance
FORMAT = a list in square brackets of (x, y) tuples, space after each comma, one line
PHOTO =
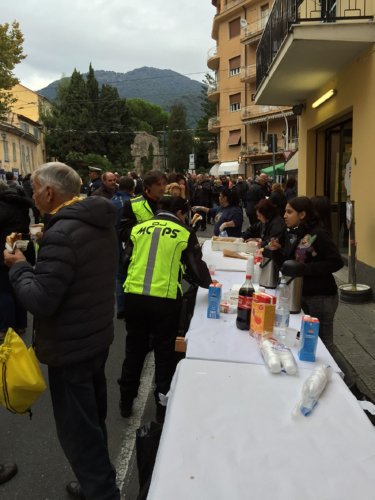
[(278, 198), (228, 216), (270, 225), (291, 188), (322, 207), (312, 246)]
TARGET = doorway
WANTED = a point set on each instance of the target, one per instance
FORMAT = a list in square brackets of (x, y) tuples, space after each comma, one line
[(338, 152)]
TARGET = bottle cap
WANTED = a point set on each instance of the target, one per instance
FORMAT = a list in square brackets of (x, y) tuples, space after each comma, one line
[(248, 276)]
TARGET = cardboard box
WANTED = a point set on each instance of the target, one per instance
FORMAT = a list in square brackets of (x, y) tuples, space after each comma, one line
[(214, 299), (309, 338), (262, 314), (180, 344)]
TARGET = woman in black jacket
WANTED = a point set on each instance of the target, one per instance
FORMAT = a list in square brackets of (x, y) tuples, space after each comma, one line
[(311, 245), (270, 225)]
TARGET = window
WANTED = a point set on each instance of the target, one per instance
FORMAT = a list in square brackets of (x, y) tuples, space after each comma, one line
[(24, 126), (234, 138), (14, 152), (5, 149), (235, 102), (36, 132), (235, 66), (234, 28), (23, 158), (32, 159)]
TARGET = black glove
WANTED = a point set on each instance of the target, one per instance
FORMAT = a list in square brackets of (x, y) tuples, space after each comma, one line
[(293, 268)]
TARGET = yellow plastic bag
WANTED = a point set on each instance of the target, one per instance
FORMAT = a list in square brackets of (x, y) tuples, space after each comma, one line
[(22, 381)]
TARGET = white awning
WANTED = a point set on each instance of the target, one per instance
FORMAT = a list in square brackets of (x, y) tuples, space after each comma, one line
[(215, 169), (231, 168), (292, 163)]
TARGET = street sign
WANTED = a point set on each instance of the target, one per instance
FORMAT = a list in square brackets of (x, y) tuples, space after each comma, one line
[(191, 161)]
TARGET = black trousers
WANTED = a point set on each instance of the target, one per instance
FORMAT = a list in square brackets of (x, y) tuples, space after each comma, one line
[(79, 399), (149, 319)]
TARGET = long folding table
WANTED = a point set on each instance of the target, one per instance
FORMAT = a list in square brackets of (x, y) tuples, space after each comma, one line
[(230, 433)]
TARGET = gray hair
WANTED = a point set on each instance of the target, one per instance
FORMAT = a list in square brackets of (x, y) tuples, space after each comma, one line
[(63, 178)]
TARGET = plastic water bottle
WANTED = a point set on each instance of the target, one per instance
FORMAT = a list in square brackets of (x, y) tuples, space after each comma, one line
[(282, 311), (223, 234)]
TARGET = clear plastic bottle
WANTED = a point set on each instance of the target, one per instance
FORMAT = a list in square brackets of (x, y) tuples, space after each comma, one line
[(282, 310), (223, 234)]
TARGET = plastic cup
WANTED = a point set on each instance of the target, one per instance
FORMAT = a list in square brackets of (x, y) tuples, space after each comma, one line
[(290, 339), (211, 269), (36, 228)]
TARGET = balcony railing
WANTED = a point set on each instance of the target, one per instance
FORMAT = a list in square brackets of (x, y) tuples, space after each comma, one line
[(255, 148), (254, 29), (212, 52), (213, 122), (287, 12), (231, 4), (248, 72), (212, 88), (213, 155), (255, 110)]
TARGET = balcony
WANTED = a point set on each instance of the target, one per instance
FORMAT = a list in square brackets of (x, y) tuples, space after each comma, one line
[(253, 31), (262, 113), (213, 156), (304, 45), (213, 91), (214, 124), (230, 4), (213, 58), (248, 73)]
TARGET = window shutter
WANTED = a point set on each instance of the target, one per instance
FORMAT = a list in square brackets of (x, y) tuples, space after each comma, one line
[(234, 28), (235, 62)]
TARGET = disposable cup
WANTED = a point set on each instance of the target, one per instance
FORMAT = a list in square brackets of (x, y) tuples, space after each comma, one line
[(36, 228), (211, 269)]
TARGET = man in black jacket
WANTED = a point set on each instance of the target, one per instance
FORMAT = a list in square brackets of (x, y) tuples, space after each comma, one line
[(143, 207), (71, 295)]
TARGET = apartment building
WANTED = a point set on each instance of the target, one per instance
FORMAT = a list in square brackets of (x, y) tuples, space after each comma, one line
[(249, 136), (320, 58), (22, 146)]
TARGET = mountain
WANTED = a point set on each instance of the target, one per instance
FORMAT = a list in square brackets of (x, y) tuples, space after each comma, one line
[(158, 86)]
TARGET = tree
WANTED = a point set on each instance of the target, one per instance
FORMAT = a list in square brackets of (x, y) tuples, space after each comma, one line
[(11, 53), (147, 117), (86, 119), (180, 141)]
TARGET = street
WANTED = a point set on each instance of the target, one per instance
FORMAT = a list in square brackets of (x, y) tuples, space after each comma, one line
[(33, 444)]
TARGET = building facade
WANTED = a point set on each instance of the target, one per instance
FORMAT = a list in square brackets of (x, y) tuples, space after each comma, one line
[(255, 136), (22, 146), (319, 58)]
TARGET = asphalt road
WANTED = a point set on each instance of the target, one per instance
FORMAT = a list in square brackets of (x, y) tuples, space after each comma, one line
[(33, 445)]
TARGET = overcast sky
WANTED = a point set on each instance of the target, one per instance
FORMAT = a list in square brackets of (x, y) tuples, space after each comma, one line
[(114, 35)]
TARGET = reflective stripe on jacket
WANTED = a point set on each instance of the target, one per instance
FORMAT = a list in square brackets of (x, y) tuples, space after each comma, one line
[(155, 266), (141, 209)]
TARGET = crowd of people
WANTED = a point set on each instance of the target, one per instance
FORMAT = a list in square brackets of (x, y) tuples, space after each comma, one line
[(133, 242)]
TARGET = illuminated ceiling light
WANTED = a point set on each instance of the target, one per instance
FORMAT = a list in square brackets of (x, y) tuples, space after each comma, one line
[(324, 98)]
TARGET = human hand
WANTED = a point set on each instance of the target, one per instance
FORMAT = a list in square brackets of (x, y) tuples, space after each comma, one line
[(222, 226), (274, 244), (12, 258)]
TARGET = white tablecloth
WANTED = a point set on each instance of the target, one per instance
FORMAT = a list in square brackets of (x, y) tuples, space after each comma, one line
[(221, 340), (219, 261), (230, 435)]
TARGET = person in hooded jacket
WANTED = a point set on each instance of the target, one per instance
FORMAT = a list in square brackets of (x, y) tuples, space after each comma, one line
[(14, 217), (70, 292)]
